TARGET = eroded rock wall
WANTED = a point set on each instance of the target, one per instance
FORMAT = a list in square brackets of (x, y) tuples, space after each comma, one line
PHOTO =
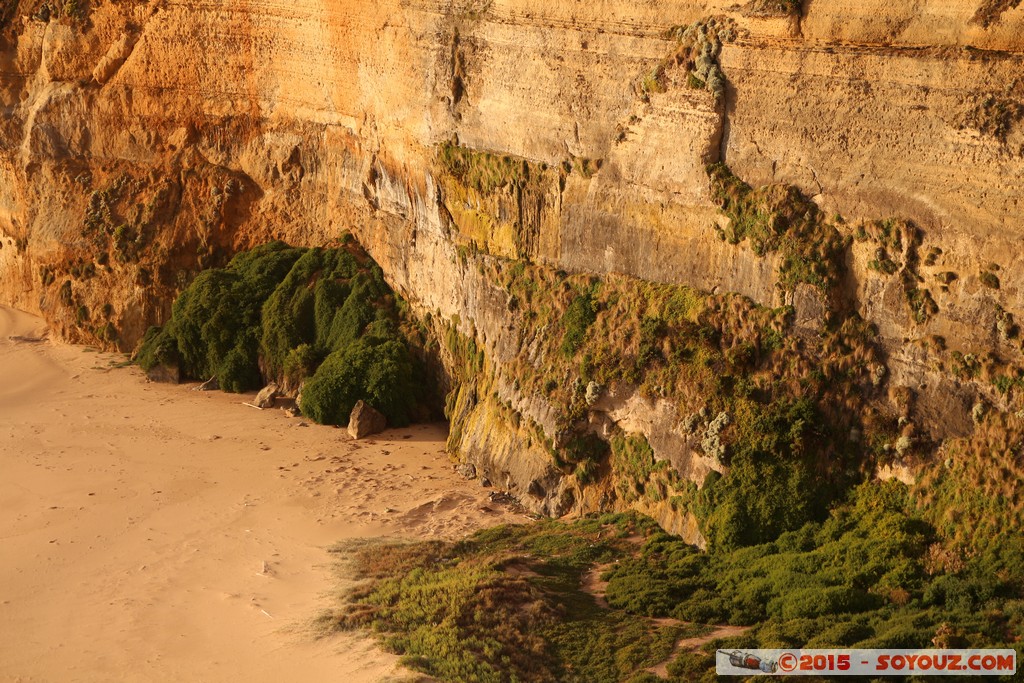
[(144, 141)]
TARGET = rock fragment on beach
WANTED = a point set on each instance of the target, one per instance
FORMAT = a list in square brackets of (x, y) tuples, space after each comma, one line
[(267, 396), (165, 372), (365, 420)]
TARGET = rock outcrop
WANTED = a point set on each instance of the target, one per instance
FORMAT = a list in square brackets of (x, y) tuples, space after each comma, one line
[(365, 420), (143, 142), (267, 396)]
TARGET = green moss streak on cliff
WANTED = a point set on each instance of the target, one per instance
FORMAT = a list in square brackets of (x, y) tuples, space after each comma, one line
[(778, 218), (499, 203), (466, 366), (787, 404)]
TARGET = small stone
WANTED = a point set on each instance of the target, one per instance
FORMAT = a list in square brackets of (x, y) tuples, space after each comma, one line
[(365, 420), (485, 482), (267, 396), (467, 470), (166, 373)]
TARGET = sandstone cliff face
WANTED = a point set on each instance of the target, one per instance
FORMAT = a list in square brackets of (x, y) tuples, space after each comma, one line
[(144, 141)]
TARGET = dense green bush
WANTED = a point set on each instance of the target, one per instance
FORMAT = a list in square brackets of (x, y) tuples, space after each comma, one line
[(215, 321), (375, 368), (865, 577), (579, 316), (290, 314), (159, 347), (322, 306), (771, 486)]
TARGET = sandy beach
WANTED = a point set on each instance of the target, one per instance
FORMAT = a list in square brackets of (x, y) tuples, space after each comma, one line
[(155, 533)]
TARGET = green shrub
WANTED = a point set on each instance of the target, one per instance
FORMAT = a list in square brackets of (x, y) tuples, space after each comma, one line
[(376, 369), (989, 279), (324, 304), (770, 487), (300, 363), (276, 312), (816, 601), (578, 318), (159, 347), (216, 319)]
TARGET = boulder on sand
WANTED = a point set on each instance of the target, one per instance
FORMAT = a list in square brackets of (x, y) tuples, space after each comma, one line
[(267, 396), (365, 420), (164, 372)]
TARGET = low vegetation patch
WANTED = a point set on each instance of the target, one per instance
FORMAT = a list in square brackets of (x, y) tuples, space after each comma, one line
[(995, 117), (483, 171), (579, 316), (989, 279), (869, 576), (773, 8), (971, 493), (509, 603), (698, 51)]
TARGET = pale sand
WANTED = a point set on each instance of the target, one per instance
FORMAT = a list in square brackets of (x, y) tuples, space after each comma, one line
[(136, 518)]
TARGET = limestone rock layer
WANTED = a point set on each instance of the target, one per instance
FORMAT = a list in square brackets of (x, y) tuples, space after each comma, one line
[(143, 141)]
